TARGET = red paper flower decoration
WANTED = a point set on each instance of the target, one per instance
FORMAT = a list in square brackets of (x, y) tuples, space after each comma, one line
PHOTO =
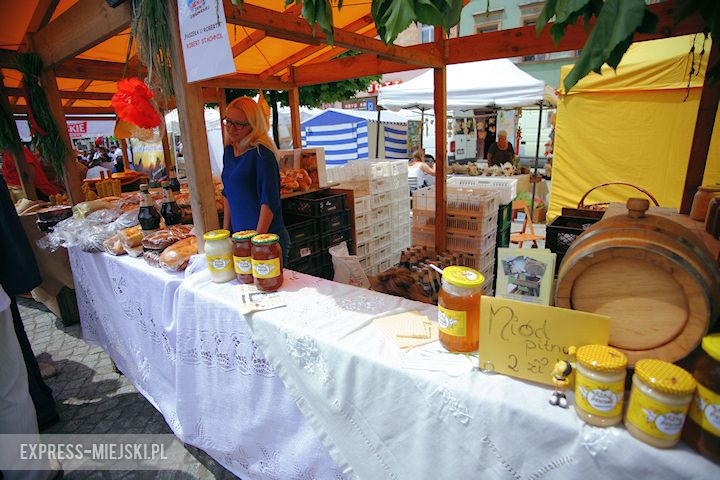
[(132, 103)]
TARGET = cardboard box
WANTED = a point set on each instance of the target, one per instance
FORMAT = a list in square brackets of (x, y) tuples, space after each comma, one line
[(311, 159)]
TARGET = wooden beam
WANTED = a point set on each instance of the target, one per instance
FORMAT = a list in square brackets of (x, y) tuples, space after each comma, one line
[(703, 133), (190, 106), (167, 153), (294, 96), (71, 110), (81, 89), (354, 27), (440, 106), (126, 157), (42, 15), (222, 107), (18, 156), (346, 68), (82, 26), (252, 39), (297, 29), (77, 95), (242, 80)]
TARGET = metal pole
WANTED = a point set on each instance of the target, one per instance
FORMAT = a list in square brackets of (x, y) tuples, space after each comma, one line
[(422, 126), (377, 134), (537, 155)]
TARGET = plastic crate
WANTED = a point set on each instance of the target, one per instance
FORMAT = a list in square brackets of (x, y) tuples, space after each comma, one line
[(488, 269), (457, 242), (506, 187), (304, 248), (362, 221), (401, 193), (300, 228), (462, 224), (380, 242), (315, 204), (331, 239), (363, 235), (380, 200), (502, 238), (363, 249), (400, 206), (460, 201), (380, 214), (305, 264), (335, 221), (385, 264), (362, 205), (381, 185), (380, 170), (381, 228), (479, 260), (399, 168), (563, 231)]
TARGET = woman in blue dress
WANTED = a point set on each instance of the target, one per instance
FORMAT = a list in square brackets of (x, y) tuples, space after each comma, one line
[(251, 175)]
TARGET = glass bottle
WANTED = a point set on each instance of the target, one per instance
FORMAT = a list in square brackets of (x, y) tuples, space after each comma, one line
[(242, 255), (174, 182), (170, 210), (148, 216), (267, 262)]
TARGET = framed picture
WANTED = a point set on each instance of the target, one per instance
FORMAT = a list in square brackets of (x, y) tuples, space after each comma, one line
[(526, 275)]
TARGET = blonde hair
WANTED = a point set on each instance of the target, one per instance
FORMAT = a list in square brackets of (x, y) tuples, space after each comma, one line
[(259, 134)]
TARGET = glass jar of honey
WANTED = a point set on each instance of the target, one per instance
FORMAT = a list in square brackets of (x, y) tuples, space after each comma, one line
[(702, 428), (459, 309), (659, 401), (267, 262), (600, 384), (242, 255), (218, 252)]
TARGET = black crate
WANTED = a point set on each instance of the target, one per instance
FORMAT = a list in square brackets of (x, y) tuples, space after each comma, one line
[(315, 204), (303, 248), (334, 222), (563, 231), (331, 239), (502, 240), (309, 264), (504, 216), (326, 270), (301, 228)]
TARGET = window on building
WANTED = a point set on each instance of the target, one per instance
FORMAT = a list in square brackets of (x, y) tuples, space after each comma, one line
[(485, 22), (487, 27), (427, 34)]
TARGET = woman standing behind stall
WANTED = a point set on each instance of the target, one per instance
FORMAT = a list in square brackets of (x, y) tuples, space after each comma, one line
[(251, 176)]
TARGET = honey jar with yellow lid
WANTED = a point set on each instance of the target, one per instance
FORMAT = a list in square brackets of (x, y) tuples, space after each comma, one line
[(600, 384), (659, 400), (459, 309), (702, 428)]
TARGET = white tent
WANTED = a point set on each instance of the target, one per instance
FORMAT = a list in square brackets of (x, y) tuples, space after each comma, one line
[(490, 83)]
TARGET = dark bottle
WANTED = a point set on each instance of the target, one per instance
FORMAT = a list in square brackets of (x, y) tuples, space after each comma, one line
[(170, 210), (174, 182), (148, 216)]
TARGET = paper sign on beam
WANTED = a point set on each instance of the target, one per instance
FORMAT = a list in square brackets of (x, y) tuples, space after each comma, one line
[(205, 41), (525, 341)]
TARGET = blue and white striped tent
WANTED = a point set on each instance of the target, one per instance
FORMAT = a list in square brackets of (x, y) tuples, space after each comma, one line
[(348, 135)]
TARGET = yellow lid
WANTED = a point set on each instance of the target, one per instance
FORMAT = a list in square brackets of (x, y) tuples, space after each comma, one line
[(665, 377), (217, 235), (463, 277), (243, 235), (601, 358), (265, 239), (711, 345)]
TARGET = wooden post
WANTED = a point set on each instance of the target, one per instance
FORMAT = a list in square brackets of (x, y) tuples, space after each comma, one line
[(190, 105), (222, 106), (167, 153), (126, 157), (702, 135), (294, 94), (18, 156), (440, 106)]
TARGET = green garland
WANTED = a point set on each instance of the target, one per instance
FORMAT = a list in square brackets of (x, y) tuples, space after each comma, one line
[(51, 144), (150, 29)]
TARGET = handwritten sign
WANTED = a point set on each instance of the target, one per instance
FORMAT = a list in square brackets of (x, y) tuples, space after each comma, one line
[(205, 41), (525, 340)]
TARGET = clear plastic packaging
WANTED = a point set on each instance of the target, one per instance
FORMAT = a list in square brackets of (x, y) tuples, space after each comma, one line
[(105, 215)]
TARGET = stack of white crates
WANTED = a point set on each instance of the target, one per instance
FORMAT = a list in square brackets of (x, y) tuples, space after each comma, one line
[(471, 227), (382, 210)]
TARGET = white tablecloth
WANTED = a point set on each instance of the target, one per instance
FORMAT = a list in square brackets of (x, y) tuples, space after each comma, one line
[(375, 419)]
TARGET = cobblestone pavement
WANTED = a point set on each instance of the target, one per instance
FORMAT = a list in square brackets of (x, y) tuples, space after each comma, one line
[(92, 398)]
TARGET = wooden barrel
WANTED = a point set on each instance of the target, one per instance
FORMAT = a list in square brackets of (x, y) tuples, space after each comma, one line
[(653, 277)]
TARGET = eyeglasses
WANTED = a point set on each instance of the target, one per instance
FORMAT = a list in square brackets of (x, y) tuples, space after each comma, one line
[(232, 123)]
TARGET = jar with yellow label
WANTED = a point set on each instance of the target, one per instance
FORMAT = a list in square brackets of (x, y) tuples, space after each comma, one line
[(242, 255), (659, 400), (218, 252), (459, 309), (267, 262), (600, 384), (702, 429)]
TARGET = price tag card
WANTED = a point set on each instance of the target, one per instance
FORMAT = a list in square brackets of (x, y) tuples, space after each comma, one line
[(525, 340), (253, 300)]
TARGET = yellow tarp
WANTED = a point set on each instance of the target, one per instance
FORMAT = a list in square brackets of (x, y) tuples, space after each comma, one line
[(633, 125)]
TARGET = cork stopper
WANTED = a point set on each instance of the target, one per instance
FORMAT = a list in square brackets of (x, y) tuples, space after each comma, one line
[(637, 207)]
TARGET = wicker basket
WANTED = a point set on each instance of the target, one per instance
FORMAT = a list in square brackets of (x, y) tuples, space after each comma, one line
[(604, 205)]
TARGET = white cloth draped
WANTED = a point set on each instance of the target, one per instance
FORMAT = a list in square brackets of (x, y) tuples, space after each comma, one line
[(375, 419)]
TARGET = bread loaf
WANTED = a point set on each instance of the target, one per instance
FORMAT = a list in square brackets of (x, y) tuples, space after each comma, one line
[(176, 257)]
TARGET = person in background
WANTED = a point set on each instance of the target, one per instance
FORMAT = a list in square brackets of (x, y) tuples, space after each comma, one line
[(118, 156), (43, 187), (501, 151), (418, 169), (94, 171), (251, 175), (101, 156)]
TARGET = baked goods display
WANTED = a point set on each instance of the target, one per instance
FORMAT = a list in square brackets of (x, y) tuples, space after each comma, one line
[(177, 256)]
